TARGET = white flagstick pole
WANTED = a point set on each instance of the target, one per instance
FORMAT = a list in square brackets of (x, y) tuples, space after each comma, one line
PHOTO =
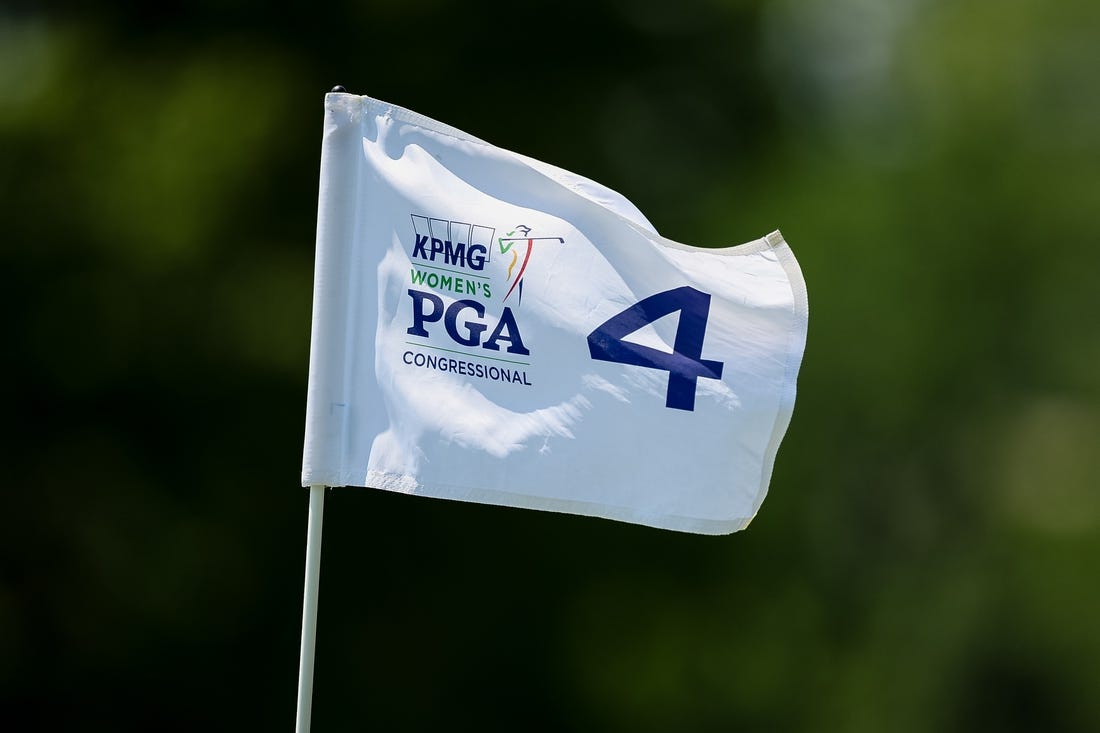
[(309, 607), (336, 202)]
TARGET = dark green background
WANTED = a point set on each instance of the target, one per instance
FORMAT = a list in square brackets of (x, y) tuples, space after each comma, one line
[(927, 558)]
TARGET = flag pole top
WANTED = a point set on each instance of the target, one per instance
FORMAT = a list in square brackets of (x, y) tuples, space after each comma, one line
[(338, 90)]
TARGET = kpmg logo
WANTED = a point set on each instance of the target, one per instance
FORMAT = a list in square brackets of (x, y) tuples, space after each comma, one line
[(453, 259), (451, 243)]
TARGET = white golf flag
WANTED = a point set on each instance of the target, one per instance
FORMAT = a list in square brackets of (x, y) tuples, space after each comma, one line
[(490, 328)]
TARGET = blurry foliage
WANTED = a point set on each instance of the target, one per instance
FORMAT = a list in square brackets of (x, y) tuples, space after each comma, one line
[(926, 559)]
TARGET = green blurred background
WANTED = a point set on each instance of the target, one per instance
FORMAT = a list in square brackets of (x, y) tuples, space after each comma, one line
[(927, 558)]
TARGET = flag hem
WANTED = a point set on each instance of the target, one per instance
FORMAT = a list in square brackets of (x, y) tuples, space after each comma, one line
[(406, 484), (796, 347)]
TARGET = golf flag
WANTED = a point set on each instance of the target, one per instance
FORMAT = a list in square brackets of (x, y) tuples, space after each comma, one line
[(491, 328)]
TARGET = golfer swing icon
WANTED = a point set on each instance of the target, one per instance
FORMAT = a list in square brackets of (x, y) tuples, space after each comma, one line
[(510, 247)]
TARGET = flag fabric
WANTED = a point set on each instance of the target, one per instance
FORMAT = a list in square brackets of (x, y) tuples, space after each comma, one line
[(491, 328)]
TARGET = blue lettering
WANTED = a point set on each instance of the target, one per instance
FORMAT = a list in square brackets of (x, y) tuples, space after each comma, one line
[(473, 328), (477, 261), (437, 248), (455, 254), (685, 364), (463, 328), (420, 316), (507, 330)]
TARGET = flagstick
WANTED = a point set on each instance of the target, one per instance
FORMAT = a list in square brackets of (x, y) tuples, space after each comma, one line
[(309, 607)]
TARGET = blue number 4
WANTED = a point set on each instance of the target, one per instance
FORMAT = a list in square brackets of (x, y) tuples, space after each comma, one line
[(684, 365)]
